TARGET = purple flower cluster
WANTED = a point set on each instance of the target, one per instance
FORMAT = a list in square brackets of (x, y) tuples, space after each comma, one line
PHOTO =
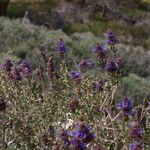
[(78, 138), (98, 85), (17, 72), (135, 146), (64, 135), (61, 46), (25, 68), (135, 131), (7, 65), (110, 38), (85, 64), (125, 105), (99, 50), (83, 133), (76, 144), (136, 135), (75, 75), (113, 65)]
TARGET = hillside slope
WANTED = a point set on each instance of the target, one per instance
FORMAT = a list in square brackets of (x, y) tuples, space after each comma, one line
[(19, 39), (128, 18)]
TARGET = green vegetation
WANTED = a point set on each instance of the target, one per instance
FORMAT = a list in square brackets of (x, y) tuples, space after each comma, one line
[(78, 27), (98, 27), (23, 40), (14, 9), (137, 10), (135, 87), (17, 9), (39, 91)]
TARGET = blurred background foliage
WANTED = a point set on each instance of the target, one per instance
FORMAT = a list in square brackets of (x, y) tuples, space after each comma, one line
[(126, 17), (28, 25)]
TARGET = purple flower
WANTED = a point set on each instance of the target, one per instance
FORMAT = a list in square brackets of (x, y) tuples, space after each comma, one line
[(77, 138), (84, 64), (61, 46), (125, 105), (113, 65), (83, 132), (77, 144), (99, 50), (98, 85), (135, 146), (51, 130), (64, 135), (75, 75), (25, 68), (7, 66), (15, 74), (135, 131), (89, 137), (79, 134), (110, 38)]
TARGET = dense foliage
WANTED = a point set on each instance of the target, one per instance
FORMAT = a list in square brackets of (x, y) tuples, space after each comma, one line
[(124, 17), (61, 106), (22, 40)]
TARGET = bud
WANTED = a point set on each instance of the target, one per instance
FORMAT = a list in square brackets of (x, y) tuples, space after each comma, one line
[(110, 38)]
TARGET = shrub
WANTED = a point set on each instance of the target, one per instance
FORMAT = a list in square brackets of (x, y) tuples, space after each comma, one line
[(136, 58), (24, 39), (17, 9), (60, 108), (82, 44), (135, 87), (78, 27)]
